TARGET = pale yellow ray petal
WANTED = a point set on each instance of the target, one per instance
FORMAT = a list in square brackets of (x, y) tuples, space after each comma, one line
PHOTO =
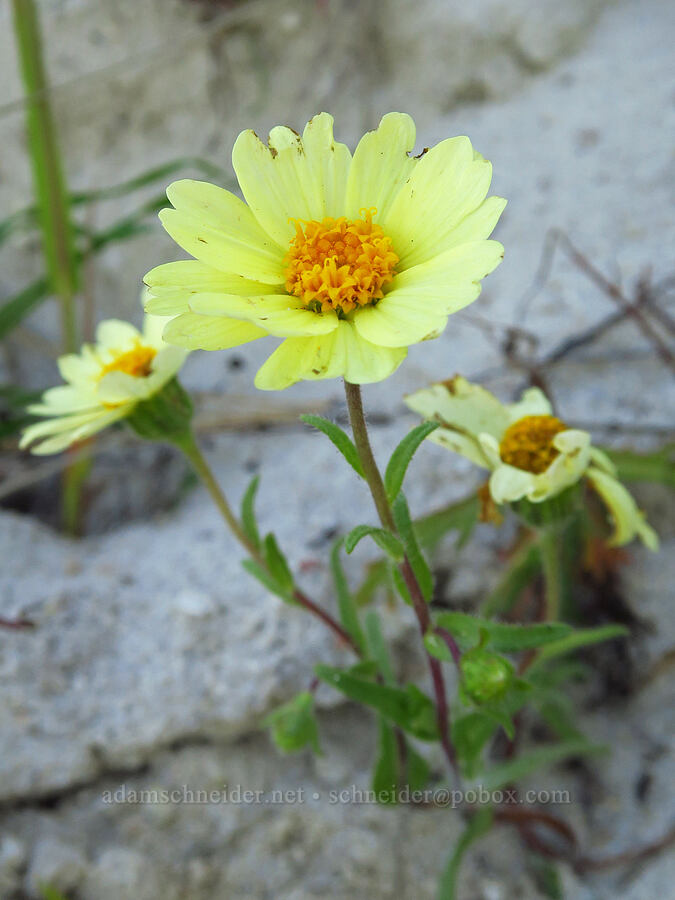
[(451, 280), (171, 285), (447, 184), (380, 166), (293, 177), (400, 319), (342, 352), (195, 332), (467, 408), (627, 519), (280, 315)]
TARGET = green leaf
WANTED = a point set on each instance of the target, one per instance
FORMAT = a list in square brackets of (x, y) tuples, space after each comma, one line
[(582, 637), (522, 570), (377, 647), (657, 467), (47, 892), (377, 576), (388, 777), (384, 539), (15, 310), (409, 708), (349, 615), (385, 781), (546, 877), (461, 516), (417, 561), (521, 766), (479, 825), (339, 438), (294, 724), (276, 562), (401, 457), (502, 637), (437, 647), (264, 577), (470, 735), (248, 518)]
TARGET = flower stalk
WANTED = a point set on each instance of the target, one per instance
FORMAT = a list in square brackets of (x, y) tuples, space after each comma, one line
[(384, 511)]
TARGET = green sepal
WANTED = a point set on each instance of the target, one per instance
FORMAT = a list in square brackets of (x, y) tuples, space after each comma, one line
[(552, 511), (165, 416)]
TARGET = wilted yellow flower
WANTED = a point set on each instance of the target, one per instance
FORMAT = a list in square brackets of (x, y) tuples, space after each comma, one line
[(350, 259), (105, 382), (532, 455)]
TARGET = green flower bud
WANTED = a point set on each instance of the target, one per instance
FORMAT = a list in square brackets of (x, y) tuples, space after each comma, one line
[(485, 675)]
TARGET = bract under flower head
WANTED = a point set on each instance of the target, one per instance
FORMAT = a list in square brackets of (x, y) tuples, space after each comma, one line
[(350, 259)]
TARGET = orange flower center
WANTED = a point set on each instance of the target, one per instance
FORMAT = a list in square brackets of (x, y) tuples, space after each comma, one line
[(339, 264), (528, 443), (136, 362)]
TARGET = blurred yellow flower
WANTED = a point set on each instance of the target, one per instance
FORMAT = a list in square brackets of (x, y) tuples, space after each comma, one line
[(105, 382), (350, 259), (532, 455)]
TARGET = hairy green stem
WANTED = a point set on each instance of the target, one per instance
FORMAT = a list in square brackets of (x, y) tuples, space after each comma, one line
[(191, 450), (550, 550), (384, 511)]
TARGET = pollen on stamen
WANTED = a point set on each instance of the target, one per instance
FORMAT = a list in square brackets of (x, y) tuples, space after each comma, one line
[(339, 264), (528, 443)]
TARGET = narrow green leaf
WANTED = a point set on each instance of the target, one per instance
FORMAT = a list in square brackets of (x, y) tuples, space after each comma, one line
[(400, 585), (276, 562), (349, 615), (417, 769), (15, 310), (248, 517), (502, 637), (293, 725), (401, 457), (521, 766), (409, 708), (339, 438), (377, 647), (406, 530), (479, 825), (264, 577), (657, 467), (437, 647), (521, 571), (546, 877), (386, 775), (377, 576), (470, 735), (47, 892), (384, 539), (461, 516), (583, 637)]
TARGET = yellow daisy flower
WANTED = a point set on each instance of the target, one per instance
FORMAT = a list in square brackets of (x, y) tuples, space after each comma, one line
[(532, 455), (105, 381), (349, 258)]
